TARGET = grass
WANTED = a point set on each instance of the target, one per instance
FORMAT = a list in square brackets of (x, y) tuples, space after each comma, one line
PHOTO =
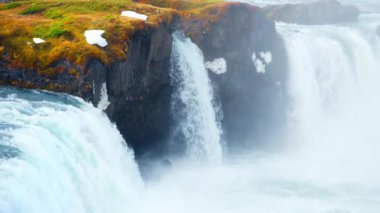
[(62, 24)]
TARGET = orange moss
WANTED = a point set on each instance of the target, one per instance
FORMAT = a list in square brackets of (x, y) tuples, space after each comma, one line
[(74, 17), (195, 22), (17, 32), (179, 4)]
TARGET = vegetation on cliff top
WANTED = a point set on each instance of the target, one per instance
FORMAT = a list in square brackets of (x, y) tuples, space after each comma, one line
[(62, 23)]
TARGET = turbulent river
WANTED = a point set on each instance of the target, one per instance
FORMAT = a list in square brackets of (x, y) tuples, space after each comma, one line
[(60, 154)]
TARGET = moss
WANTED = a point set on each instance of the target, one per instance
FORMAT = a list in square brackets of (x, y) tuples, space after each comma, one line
[(63, 23), (51, 71), (10, 6), (54, 30), (196, 21), (180, 4), (35, 8), (54, 14)]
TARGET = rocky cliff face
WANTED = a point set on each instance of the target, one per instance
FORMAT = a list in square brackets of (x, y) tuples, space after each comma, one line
[(139, 89), (252, 90), (63, 81), (320, 12)]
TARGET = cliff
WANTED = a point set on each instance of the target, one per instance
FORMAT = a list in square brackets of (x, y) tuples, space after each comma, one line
[(135, 65), (251, 90)]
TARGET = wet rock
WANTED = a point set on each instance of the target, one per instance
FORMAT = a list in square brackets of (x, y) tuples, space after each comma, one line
[(140, 92), (320, 12), (252, 102)]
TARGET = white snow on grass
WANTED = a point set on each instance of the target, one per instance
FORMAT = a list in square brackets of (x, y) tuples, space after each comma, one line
[(38, 40), (95, 37), (218, 65), (261, 61), (132, 14)]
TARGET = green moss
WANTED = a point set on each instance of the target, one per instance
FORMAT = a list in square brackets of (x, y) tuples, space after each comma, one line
[(10, 6), (53, 30), (35, 8), (54, 14)]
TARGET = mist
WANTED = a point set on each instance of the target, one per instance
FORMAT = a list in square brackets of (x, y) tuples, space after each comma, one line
[(326, 161)]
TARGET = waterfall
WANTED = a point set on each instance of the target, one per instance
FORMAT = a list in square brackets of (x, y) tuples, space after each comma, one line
[(103, 102), (193, 103), (60, 154), (333, 84)]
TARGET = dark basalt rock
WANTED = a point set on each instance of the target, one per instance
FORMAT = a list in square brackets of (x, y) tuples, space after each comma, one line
[(139, 91), (321, 12), (253, 103), (138, 88), (61, 82)]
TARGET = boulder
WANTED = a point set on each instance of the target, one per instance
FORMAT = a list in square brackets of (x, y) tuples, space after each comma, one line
[(320, 12)]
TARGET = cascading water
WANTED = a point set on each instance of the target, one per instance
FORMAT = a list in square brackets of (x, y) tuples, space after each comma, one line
[(192, 104), (336, 108), (60, 154)]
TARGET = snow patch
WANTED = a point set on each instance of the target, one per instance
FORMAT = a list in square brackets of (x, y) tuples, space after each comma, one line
[(218, 65), (95, 37), (267, 56), (38, 40), (261, 61), (132, 14), (103, 102)]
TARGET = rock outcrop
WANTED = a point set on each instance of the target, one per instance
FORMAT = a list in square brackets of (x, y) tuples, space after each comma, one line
[(139, 88), (321, 12), (63, 81), (140, 92), (251, 92)]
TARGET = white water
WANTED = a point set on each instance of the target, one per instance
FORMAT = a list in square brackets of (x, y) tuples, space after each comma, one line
[(71, 158), (193, 102), (104, 101)]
